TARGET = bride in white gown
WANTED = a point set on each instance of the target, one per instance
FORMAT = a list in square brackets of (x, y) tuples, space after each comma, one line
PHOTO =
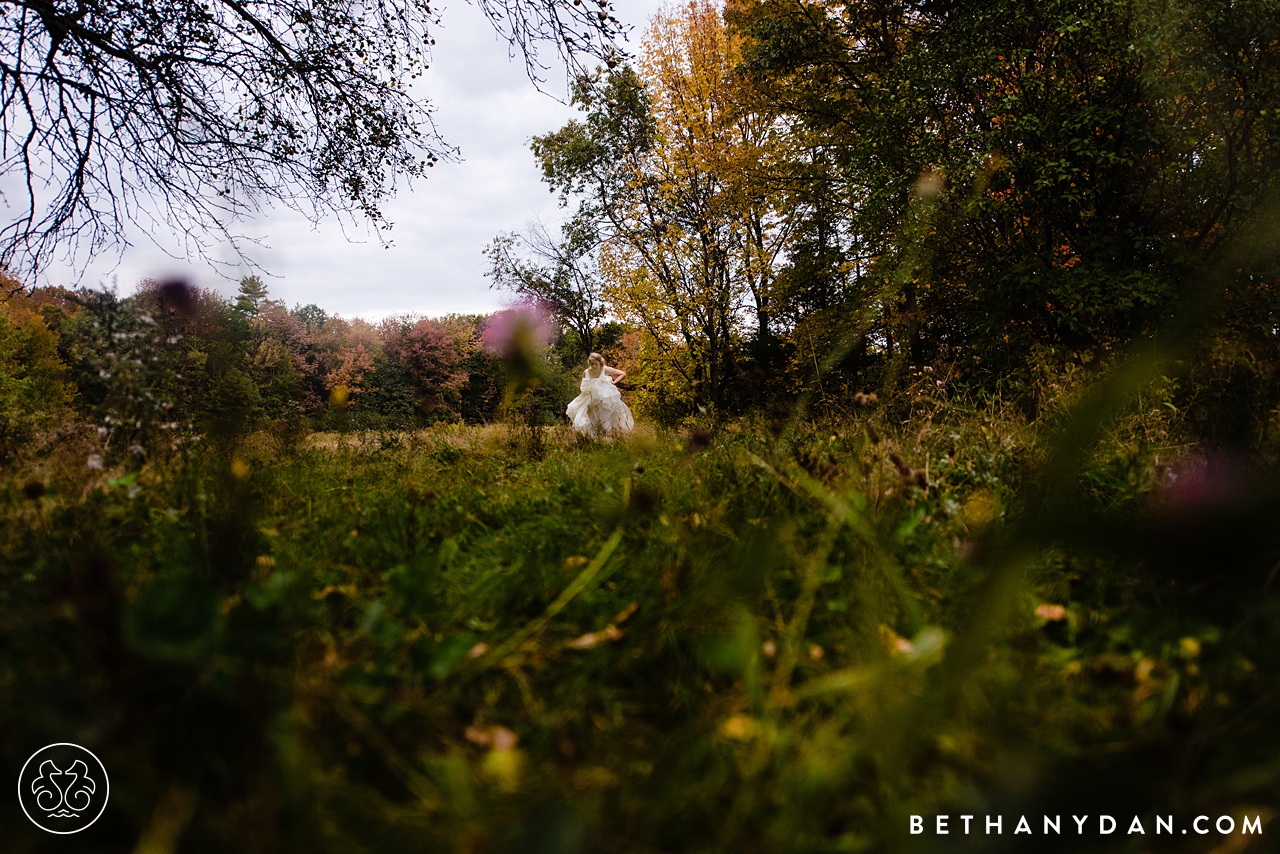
[(599, 410)]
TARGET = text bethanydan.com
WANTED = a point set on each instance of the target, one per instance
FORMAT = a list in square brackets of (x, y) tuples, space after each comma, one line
[(943, 825)]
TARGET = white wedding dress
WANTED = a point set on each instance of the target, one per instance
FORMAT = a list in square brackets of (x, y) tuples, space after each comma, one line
[(599, 410)]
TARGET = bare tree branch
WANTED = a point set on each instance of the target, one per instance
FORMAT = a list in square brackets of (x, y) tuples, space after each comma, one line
[(186, 115)]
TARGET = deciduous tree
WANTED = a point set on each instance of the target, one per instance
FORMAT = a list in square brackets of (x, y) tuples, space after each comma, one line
[(1009, 175), (669, 162), (560, 274), (185, 116)]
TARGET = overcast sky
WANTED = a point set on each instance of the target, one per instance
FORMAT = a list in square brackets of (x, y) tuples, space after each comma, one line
[(486, 106)]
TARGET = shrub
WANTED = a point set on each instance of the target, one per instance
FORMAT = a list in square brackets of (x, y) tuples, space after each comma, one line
[(34, 391)]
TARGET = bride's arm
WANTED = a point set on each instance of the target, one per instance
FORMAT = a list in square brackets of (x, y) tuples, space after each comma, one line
[(615, 376)]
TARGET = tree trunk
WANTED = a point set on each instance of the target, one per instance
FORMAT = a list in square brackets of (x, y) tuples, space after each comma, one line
[(913, 325)]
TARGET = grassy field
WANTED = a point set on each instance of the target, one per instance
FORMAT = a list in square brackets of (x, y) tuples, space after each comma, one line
[(761, 637)]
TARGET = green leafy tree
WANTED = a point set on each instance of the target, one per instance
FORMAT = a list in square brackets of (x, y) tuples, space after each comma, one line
[(312, 315), (1017, 175), (560, 274)]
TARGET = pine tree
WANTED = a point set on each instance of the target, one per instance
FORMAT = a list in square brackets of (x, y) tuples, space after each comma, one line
[(252, 294)]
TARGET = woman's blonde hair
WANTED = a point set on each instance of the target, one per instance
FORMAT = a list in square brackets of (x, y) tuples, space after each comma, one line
[(595, 364)]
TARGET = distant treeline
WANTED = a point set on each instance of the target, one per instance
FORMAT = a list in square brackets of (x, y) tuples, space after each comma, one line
[(172, 359)]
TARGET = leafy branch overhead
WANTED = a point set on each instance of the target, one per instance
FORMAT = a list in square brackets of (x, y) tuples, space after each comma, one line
[(186, 116)]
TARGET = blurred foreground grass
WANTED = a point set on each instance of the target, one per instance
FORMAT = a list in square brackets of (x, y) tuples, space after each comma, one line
[(763, 638)]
